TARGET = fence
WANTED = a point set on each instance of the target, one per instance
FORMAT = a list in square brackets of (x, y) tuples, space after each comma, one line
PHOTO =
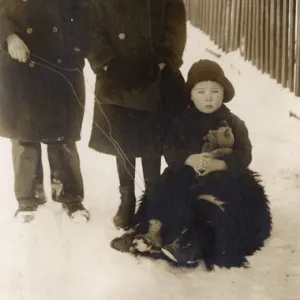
[(266, 31)]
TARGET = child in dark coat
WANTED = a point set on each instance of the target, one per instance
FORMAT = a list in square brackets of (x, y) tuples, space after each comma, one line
[(207, 204)]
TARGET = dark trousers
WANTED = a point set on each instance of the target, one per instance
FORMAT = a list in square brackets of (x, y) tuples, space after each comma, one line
[(168, 202), (175, 204), (66, 178), (151, 170)]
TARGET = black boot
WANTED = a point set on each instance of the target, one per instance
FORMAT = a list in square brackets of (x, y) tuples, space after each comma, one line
[(124, 242), (124, 216)]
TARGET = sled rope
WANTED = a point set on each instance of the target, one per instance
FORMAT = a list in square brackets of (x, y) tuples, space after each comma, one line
[(110, 138)]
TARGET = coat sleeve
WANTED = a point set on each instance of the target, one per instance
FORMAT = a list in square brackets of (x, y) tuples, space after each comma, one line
[(100, 49), (7, 26), (175, 149), (172, 44), (241, 156)]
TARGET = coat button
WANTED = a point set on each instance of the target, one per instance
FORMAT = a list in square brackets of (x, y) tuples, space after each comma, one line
[(29, 30), (122, 36), (58, 61), (31, 64), (72, 20), (25, 0), (54, 29), (76, 49)]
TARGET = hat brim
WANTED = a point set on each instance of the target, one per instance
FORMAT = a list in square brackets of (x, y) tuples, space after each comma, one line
[(207, 75)]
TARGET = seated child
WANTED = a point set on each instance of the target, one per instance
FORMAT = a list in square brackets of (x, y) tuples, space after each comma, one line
[(207, 204)]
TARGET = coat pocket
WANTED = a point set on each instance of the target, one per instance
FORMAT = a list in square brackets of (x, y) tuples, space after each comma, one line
[(144, 98)]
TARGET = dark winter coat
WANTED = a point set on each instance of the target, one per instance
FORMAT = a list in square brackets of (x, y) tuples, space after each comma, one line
[(221, 233), (186, 138), (37, 103), (132, 38)]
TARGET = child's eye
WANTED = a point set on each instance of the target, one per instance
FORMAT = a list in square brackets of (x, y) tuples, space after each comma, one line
[(201, 92), (215, 91)]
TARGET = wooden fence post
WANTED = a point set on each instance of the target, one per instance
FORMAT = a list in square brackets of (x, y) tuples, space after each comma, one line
[(224, 25), (272, 37), (284, 52), (278, 40), (237, 24), (256, 33), (253, 35), (247, 30), (267, 68), (219, 22), (206, 16), (243, 27), (297, 69), (292, 44), (261, 39), (214, 24)]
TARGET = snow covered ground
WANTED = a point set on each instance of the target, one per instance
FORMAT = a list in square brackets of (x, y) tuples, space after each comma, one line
[(54, 259)]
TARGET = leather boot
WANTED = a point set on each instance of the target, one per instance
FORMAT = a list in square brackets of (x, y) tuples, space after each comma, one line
[(124, 216)]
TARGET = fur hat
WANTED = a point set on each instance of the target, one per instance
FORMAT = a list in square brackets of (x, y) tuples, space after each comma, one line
[(205, 70)]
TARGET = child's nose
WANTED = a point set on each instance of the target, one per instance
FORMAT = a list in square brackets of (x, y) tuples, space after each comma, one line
[(208, 97)]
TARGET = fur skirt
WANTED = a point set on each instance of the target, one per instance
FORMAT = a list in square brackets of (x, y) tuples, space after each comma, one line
[(239, 221)]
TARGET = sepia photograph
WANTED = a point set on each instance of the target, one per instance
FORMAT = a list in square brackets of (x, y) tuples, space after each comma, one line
[(149, 149)]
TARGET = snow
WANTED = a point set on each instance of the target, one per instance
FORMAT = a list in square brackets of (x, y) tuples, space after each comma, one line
[(54, 259)]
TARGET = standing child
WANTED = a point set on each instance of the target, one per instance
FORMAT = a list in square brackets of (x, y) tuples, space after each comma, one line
[(206, 205), (137, 52), (43, 46)]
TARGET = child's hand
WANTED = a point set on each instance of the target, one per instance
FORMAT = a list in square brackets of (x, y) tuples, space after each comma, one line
[(197, 161), (212, 165), (17, 49)]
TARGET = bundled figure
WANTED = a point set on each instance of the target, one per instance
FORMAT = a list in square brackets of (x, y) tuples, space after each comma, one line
[(42, 97), (136, 54), (207, 205)]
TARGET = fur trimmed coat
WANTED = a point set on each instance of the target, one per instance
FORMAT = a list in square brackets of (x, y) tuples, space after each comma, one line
[(131, 38), (37, 104)]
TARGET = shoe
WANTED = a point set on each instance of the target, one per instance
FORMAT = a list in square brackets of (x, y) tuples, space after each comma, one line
[(192, 245), (124, 242), (26, 213), (125, 214), (150, 240), (180, 254), (76, 212)]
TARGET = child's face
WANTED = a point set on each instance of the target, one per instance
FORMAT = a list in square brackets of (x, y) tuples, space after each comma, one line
[(207, 96)]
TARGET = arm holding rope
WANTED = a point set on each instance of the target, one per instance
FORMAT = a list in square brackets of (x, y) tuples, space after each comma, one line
[(9, 38)]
